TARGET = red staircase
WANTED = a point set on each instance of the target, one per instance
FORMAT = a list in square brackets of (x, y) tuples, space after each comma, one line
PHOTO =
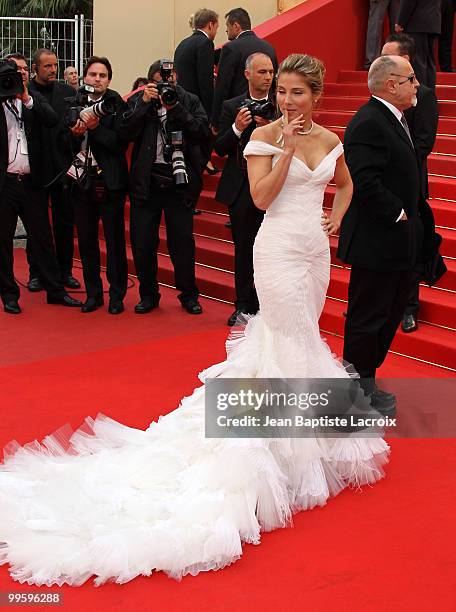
[(435, 340)]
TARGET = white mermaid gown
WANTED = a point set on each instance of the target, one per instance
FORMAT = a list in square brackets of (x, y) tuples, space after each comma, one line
[(121, 502)]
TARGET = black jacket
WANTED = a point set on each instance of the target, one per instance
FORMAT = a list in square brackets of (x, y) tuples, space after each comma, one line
[(140, 125), (194, 62), (420, 16), (231, 81), (423, 120), (386, 177), (41, 114), (109, 147), (57, 141), (227, 143)]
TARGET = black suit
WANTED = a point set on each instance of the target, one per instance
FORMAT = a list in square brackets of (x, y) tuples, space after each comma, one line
[(421, 19), (194, 62), (24, 196), (446, 36), (150, 197), (422, 120), (57, 157), (381, 250), (234, 190), (110, 180), (231, 81)]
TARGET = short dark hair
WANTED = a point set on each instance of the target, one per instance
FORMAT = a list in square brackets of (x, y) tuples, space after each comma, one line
[(139, 82), (153, 68), (95, 59), (406, 44), (14, 56), (204, 16), (240, 16), (39, 52)]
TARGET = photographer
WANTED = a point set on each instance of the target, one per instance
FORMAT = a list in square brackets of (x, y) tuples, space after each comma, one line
[(21, 184), (168, 126), (236, 126), (56, 161), (101, 175)]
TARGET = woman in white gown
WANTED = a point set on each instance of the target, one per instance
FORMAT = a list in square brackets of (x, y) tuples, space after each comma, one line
[(115, 502)]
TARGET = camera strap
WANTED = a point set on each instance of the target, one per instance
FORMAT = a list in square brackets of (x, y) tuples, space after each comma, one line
[(20, 133)]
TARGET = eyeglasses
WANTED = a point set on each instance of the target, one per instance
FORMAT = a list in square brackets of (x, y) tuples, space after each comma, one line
[(411, 78)]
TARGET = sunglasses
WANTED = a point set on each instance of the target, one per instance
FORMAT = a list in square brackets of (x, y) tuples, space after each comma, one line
[(411, 78)]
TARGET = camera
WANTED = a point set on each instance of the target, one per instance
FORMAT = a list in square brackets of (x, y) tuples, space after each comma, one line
[(173, 153), (10, 80), (264, 108), (80, 103), (166, 90)]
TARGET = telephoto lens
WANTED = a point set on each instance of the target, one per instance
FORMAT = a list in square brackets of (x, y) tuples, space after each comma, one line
[(178, 161)]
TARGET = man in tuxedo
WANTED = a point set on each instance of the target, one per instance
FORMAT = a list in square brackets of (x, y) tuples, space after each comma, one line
[(236, 127), (421, 19), (422, 120), (57, 143), (446, 36), (22, 193), (194, 58), (379, 233), (231, 81)]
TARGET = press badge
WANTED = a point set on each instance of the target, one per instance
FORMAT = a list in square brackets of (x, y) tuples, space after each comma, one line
[(23, 142)]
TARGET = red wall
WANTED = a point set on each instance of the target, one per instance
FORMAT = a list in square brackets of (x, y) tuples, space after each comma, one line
[(332, 30)]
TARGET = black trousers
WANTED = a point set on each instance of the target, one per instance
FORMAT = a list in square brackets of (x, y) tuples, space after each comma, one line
[(88, 212), (62, 228), (376, 303), (20, 199), (245, 219), (424, 62), (446, 37), (145, 216)]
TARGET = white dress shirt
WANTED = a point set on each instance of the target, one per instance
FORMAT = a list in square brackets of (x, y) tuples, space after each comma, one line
[(18, 159)]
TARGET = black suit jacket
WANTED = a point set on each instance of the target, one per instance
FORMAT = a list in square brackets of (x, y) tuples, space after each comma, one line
[(420, 16), (386, 177), (227, 143), (58, 141), (231, 81), (140, 125), (422, 120), (109, 146), (194, 62), (40, 114)]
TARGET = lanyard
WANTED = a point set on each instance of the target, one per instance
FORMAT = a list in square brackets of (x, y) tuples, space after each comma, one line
[(14, 111)]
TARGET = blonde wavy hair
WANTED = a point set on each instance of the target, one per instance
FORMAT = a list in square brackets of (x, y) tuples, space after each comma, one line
[(310, 68)]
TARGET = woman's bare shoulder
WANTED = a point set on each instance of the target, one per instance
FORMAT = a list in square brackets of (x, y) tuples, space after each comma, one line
[(266, 133), (329, 138)]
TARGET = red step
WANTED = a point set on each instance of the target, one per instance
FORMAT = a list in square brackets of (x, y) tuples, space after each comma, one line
[(428, 343), (443, 92), (443, 165), (444, 212), (442, 188), (360, 76)]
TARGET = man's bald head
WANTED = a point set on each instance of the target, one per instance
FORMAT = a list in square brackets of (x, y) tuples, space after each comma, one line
[(391, 78)]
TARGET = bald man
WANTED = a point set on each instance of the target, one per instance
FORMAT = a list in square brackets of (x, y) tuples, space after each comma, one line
[(379, 231)]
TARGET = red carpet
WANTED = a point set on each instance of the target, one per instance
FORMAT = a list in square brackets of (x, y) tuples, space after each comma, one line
[(385, 548)]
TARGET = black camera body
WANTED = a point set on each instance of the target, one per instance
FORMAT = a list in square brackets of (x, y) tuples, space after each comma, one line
[(80, 102), (263, 108), (166, 89), (10, 80)]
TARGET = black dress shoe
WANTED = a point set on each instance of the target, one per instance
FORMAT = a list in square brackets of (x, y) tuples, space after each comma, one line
[(91, 304), (145, 306), (34, 284), (192, 307), (235, 316), (64, 300), (12, 307), (196, 212), (228, 224), (383, 402), (213, 170), (409, 323), (115, 307), (71, 282)]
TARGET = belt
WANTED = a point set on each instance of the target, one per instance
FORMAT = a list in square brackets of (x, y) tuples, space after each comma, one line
[(18, 177)]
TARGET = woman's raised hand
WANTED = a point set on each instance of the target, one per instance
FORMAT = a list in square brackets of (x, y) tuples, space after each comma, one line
[(290, 130)]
